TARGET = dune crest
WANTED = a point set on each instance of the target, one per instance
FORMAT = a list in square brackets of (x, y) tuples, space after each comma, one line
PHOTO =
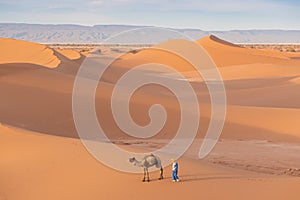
[(18, 51), (220, 41)]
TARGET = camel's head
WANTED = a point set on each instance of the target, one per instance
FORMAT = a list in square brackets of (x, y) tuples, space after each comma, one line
[(132, 159)]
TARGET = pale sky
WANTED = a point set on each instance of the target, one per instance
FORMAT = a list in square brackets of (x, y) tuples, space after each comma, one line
[(201, 14)]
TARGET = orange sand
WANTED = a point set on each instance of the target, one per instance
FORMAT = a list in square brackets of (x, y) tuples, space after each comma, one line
[(42, 157)]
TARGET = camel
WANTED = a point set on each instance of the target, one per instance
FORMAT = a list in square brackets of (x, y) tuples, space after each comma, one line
[(146, 162)]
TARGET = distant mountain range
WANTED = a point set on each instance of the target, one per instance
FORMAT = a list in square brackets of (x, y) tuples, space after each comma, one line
[(69, 34)]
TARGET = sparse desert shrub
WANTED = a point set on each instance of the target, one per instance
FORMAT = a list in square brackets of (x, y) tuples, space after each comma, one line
[(117, 50), (290, 49), (134, 51), (83, 50)]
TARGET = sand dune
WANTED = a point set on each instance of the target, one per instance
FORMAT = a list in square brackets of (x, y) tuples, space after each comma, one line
[(45, 159), (254, 86), (228, 55), (17, 51)]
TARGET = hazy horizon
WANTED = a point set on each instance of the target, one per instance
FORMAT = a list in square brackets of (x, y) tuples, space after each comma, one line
[(144, 25)]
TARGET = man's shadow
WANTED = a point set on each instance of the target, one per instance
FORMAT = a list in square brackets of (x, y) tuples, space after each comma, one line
[(201, 177)]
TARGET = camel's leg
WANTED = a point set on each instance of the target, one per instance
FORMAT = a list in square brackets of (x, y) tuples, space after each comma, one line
[(148, 178), (161, 173), (144, 175)]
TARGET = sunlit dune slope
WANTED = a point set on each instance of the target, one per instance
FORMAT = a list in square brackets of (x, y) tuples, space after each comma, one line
[(18, 51)]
